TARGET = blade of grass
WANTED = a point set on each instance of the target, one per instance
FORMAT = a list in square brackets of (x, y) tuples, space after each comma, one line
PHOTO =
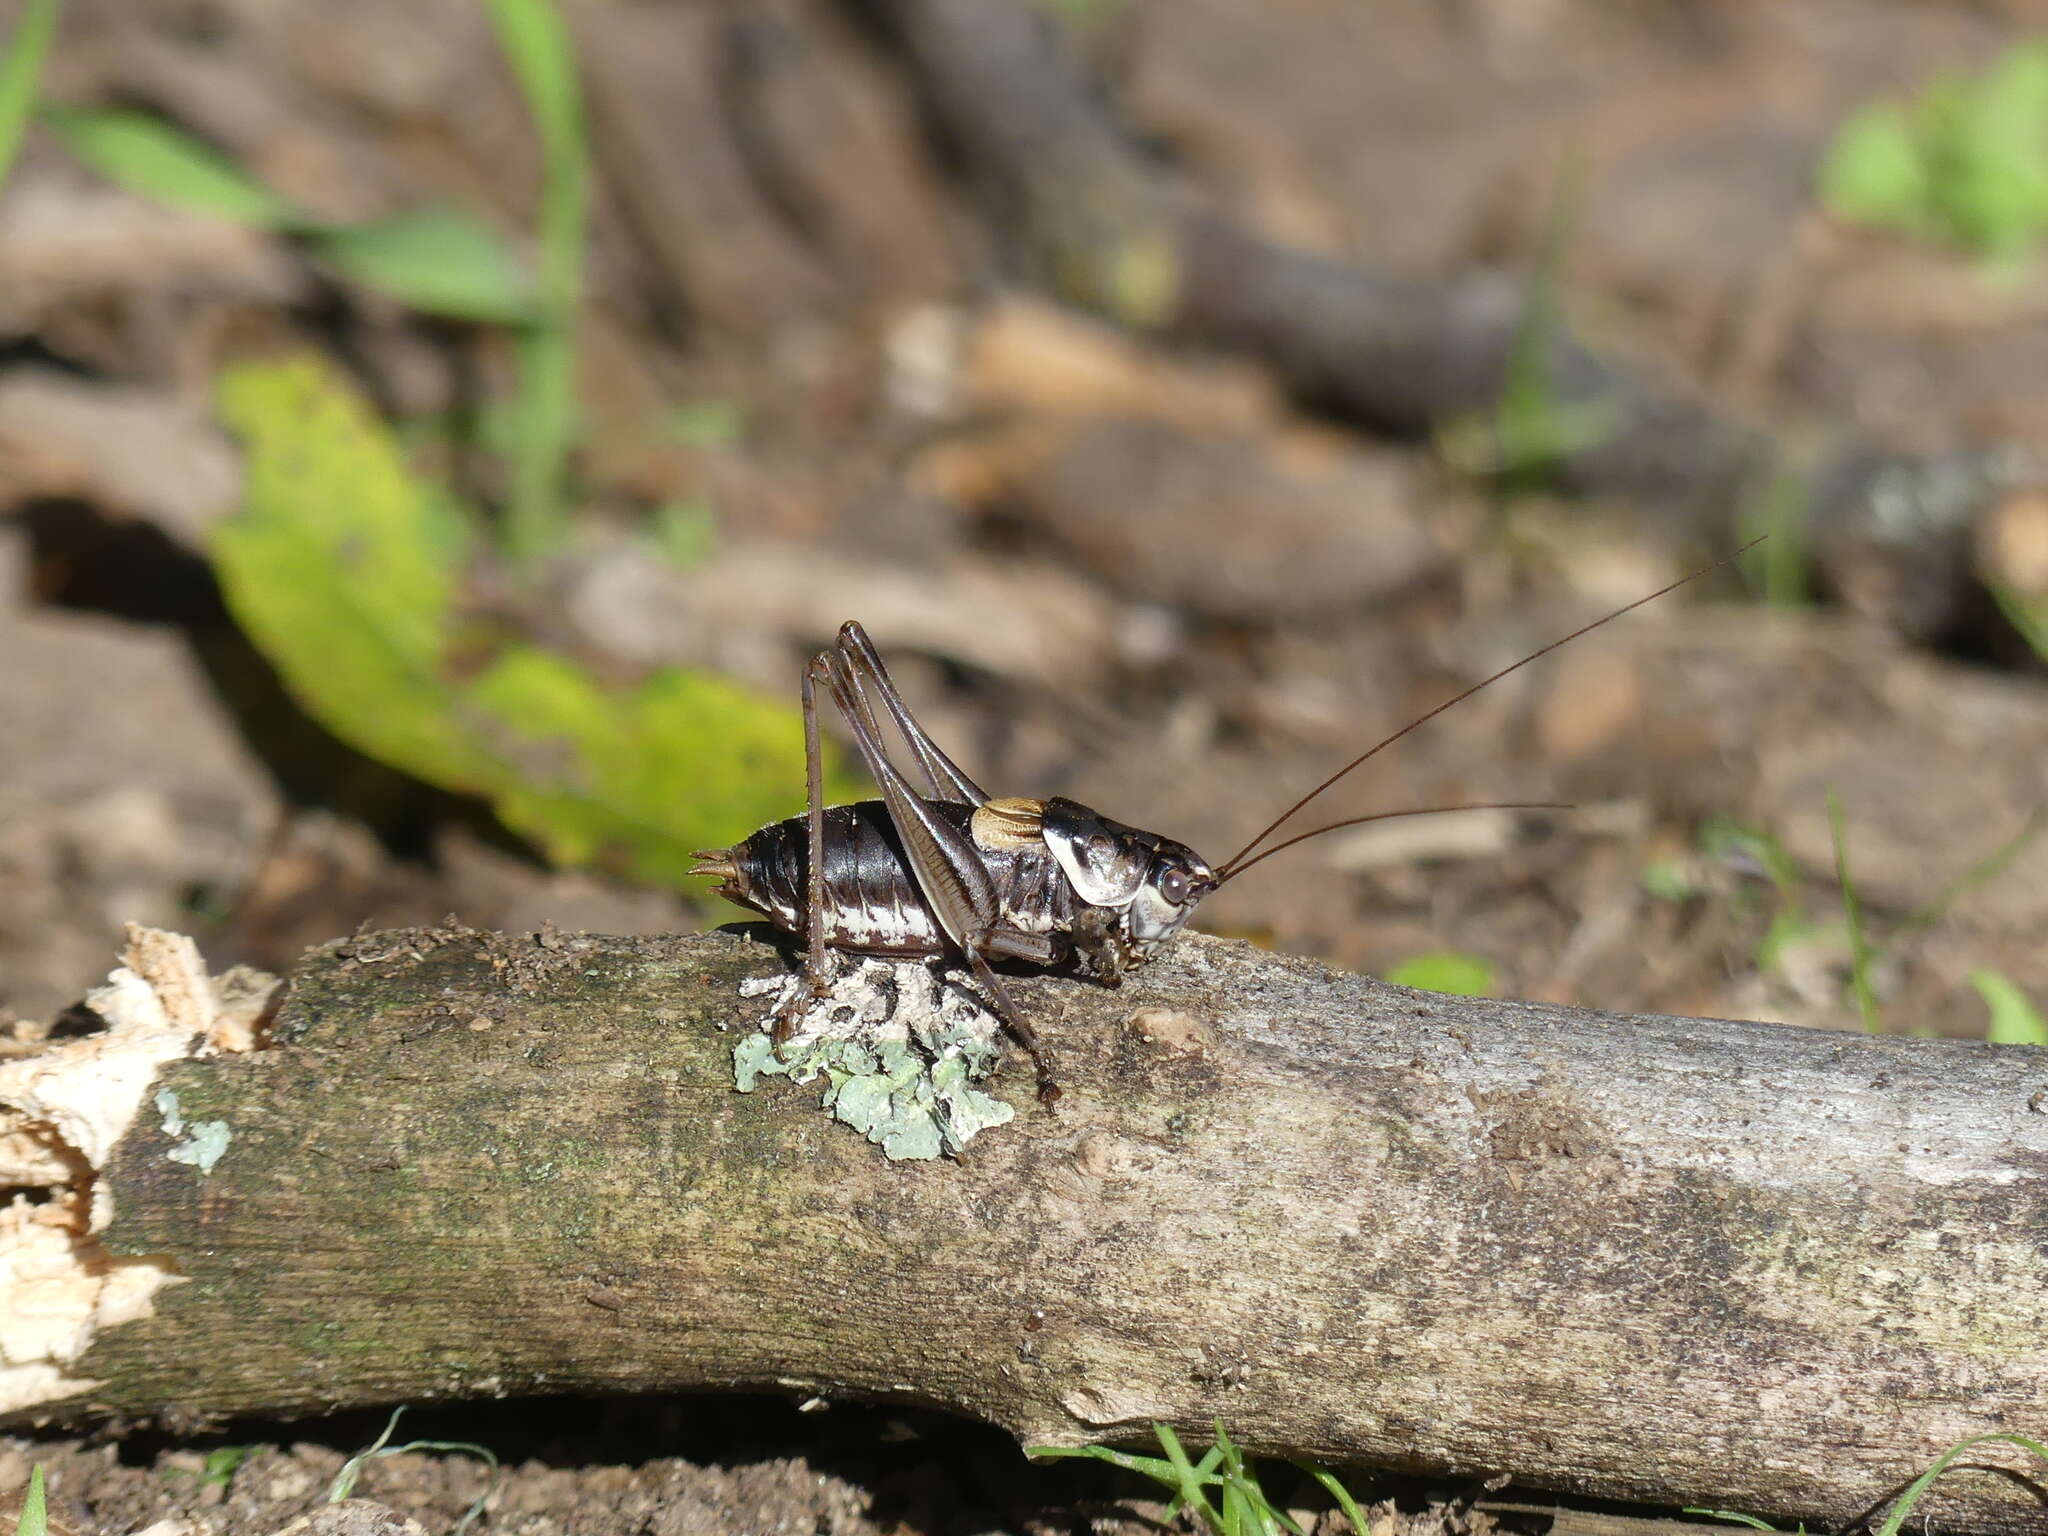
[(537, 45), (344, 1483), (1446, 970), (1735, 1517), (1989, 867), (1175, 1480), (470, 1448), (1241, 1507), (1190, 1482), (1859, 942), (1779, 508), (2023, 614), (1536, 428), (1925, 1480), (1242, 1501), (1338, 1492), (20, 72), (1206, 1476), (35, 1508)]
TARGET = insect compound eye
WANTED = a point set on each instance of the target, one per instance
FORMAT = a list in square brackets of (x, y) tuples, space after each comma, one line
[(1172, 883)]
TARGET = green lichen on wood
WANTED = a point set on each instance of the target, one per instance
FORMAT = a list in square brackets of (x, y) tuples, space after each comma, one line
[(911, 1104), (902, 1051)]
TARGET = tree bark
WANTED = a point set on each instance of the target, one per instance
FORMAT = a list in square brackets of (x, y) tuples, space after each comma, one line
[(1675, 1260)]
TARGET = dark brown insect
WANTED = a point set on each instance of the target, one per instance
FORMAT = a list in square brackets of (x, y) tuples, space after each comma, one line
[(948, 869)]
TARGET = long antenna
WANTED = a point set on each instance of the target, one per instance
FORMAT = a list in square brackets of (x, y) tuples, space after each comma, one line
[(1235, 864), (1359, 821)]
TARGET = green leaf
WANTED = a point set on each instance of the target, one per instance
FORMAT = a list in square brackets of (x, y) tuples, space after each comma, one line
[(1751, 849), (1190, 1479), (145, 154), (640, 778), (1789, 925), (1668, 879), (2014, 1018), (1991, 184), (224, 1463), (345, 573), (436, 260), (1147, 1466), (2028, 615), (706, 423), (348, 575), (1776, 508), (1966, 162), (1874, 172), (1449, 970), (20, 70), (439, 261), (684, 530), (1242, 1507), (35, 1508)]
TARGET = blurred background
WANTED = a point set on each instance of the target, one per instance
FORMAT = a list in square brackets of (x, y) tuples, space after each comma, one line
[(433, 433)]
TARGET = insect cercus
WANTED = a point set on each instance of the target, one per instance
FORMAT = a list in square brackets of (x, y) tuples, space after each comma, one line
[(951, 870)]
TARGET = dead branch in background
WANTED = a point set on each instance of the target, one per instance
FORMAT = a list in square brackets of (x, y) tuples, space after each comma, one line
[(1101, 224)]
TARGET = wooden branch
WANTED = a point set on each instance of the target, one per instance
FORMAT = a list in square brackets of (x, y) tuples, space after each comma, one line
[(1672, 1260), (1095, 219)]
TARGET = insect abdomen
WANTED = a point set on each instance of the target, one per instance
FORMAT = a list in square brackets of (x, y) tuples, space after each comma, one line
[(872, 901)]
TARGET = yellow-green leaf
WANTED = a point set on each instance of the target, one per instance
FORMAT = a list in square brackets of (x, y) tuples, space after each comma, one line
[(1874, 172), (347, 573), (344, 571), (1449, 970)]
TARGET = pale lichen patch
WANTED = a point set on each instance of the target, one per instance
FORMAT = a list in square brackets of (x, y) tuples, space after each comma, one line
[(901, 1051), (62, 1113), (207, 1141)]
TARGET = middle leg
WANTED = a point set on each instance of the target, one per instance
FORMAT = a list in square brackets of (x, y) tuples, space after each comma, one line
[(1005, 1005)]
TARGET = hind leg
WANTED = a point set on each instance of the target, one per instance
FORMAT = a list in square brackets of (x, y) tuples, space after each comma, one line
[(818, 970)]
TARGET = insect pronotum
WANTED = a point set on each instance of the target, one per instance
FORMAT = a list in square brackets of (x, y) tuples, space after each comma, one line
[(951, 870)]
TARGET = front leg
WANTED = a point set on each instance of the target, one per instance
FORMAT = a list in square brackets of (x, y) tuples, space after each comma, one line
[(1038, 949), (1106, 953), (1013, 1020)]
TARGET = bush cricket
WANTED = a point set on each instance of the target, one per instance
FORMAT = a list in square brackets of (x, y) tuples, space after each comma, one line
[(952, 870)]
